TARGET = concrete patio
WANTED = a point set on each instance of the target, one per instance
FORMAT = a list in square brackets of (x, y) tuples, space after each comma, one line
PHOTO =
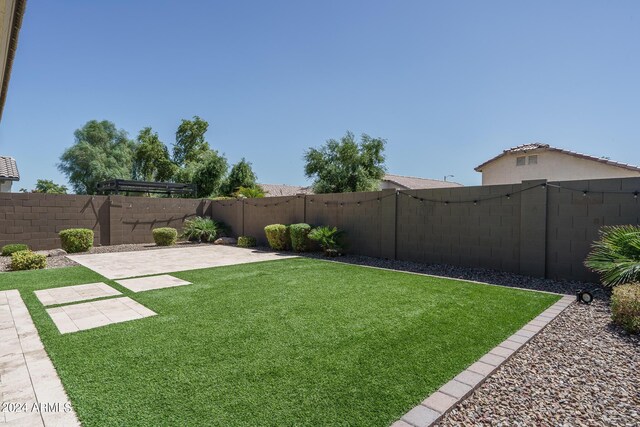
[(121, 265)]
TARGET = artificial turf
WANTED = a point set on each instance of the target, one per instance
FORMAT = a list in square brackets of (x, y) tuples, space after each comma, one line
[(287, 342)]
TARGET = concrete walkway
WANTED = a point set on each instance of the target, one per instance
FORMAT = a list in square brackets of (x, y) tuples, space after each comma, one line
[(119, 265), (30, 389)]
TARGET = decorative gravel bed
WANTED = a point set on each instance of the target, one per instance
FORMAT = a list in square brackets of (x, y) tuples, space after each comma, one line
[(579, 371), (56, 258)]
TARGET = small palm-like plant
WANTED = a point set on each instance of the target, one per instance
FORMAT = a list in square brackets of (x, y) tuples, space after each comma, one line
[(328, 238), (201, 229), (616, 256), (254, 192)]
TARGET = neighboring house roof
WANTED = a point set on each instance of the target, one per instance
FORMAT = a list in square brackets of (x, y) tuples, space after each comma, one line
[(274, 190), (413, 183), (9, 169), (526, 148), (10, 23)]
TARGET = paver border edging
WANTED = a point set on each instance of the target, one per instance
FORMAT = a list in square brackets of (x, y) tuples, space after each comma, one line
[(447, 397)]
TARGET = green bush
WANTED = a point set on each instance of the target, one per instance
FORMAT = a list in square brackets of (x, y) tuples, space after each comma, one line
[(76, 239), (616, 256), (246, 241), (165, 236), (201, 229), (277, 236), (329, 239), (299, 236), (625, 307), (27, 260), (7, 250)]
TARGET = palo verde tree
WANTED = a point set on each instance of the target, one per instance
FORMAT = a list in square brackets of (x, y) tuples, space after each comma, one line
[(151, 161), (346, 165), (100, 152)]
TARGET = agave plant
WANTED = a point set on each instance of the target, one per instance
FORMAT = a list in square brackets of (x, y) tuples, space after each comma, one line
[(328, 238), (616, 256), (202, 229)]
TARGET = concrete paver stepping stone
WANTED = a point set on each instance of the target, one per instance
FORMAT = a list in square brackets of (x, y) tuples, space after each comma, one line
[(89, 315), (29, 385), (152, 282), (67, 294)]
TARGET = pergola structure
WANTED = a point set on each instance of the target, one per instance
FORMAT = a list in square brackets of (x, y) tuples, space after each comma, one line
[(117, 186)]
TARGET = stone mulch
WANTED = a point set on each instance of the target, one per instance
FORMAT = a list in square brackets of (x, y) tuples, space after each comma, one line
[(56, 258), (579, 371)]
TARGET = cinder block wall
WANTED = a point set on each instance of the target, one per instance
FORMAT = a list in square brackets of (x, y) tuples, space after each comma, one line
[(36, 219), (574, 219), (484, 234), (259, 213), (131, 219), (542, 231)]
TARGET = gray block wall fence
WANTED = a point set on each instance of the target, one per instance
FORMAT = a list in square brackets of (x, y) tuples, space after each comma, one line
[(534, 228)]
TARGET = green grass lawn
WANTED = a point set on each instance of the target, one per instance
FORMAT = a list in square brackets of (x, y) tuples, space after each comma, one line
[(288, 342)]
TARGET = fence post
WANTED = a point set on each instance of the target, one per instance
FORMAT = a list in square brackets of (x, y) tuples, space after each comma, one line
[(533, 228)]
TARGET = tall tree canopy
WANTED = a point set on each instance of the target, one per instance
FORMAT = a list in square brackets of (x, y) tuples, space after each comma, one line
[(100, 152), (151, 161), (190, 143), (241, 175), (208, 174), (346, 165)]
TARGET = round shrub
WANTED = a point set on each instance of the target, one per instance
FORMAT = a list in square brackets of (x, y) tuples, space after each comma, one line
[(76, 239), (7, 250), (246, 241), (165, 236), (299, 239), (277, 236), (27, 260), (625, 307)]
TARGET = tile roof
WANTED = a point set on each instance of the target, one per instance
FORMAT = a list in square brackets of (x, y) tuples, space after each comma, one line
[(546, 147), (274, 190), (413, 183), (9, 169)]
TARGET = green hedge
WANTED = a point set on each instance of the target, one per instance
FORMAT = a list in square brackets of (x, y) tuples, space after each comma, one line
[(246, 241), (299, 239), (7, 250), (27, 260), (165, 236), (277, 236), (76, 239), (625, 307)]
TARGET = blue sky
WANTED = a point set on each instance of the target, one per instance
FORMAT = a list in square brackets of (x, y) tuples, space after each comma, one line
[(449, 84)]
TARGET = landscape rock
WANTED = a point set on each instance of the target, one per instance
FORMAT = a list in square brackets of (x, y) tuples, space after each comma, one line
[(225, 241)]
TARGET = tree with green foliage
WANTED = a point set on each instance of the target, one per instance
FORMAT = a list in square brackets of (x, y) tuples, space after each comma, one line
[(151, 161), (100, 152), (207, 174), (241, 175), (190, 143), (46, 186), (49, 187), (346, 165)]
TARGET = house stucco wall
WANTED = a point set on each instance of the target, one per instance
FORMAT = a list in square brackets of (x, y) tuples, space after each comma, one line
[(5, 186), (552, 166)]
